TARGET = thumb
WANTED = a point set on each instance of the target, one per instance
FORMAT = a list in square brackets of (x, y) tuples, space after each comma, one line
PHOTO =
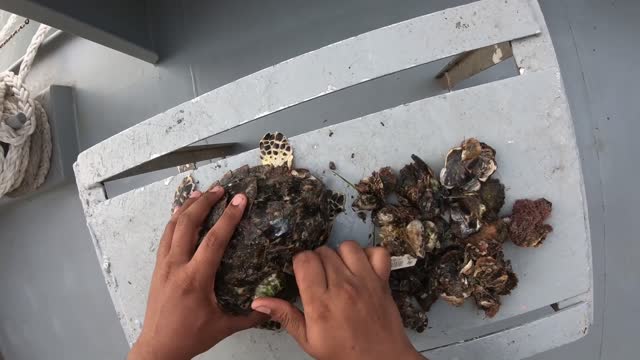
[(239, 323), (289, 317)]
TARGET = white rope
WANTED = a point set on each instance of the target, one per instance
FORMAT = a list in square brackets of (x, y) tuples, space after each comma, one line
[(7, 26), (25, 163)]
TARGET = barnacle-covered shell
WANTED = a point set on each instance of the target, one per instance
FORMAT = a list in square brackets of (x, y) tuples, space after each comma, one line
[(486, 242), (466, 214), (270, 286), (288, 212), (398, 215), (186, 187), (403, 232), (492, 196), (487, 301), (527, 227), (419, 188), (454, 285), (468, 165), (367, 202), (485, 267), (373, 190), (451, 230), (495, 274), (413, 317), (492, 277)]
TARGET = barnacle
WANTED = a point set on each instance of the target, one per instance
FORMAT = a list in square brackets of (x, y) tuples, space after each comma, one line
[(450, 228), (373, 190), (186, 187)]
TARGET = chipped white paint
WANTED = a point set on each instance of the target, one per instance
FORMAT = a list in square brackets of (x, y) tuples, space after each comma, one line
[(497, 54), (106, 265)]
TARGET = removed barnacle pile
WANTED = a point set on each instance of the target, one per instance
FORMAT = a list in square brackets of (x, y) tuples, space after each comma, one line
[(445, 235)]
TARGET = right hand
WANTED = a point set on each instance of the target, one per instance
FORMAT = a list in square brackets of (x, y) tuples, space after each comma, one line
[(348, 309)]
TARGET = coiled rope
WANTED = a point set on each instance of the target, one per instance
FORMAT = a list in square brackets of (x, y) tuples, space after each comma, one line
[(25, 134)]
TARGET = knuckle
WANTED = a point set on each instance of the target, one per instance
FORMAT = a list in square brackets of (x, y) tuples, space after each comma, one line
[(285, 319), (185, 221), (349, 292), (380, 252), (231, 214), (186, 282), (319, 312), (324, 249), (349, 246), (211, 198), (350, 243), (304, 258), (172, 223), (211, 237)]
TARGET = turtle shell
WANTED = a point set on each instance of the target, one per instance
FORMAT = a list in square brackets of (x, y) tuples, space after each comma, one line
[(288, 211)]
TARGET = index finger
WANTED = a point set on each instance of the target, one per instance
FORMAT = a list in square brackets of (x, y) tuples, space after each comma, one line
[(189, 222), (310, 276), (209, 254)]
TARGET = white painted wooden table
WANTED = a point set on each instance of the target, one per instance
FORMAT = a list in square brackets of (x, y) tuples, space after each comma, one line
[(525, 117)]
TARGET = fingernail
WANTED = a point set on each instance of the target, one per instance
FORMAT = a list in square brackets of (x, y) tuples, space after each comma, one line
[(237, 200), (195, 195), (262, 309), (216, 189)]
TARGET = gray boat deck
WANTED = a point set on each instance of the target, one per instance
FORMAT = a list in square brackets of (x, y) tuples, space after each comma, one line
[(54, 302)]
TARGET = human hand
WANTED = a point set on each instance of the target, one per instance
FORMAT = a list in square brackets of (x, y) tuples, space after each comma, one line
[(183, 318), (348, 309)]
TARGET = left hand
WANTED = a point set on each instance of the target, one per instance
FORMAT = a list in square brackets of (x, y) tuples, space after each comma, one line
[(183, 318)]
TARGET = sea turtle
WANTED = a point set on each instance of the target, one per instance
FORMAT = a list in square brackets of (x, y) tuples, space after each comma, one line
[(288, 211)]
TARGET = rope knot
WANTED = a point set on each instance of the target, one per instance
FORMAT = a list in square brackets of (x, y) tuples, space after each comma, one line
[(25, 135)]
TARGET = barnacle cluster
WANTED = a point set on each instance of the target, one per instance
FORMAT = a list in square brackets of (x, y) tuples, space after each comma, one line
[(445, 233)]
